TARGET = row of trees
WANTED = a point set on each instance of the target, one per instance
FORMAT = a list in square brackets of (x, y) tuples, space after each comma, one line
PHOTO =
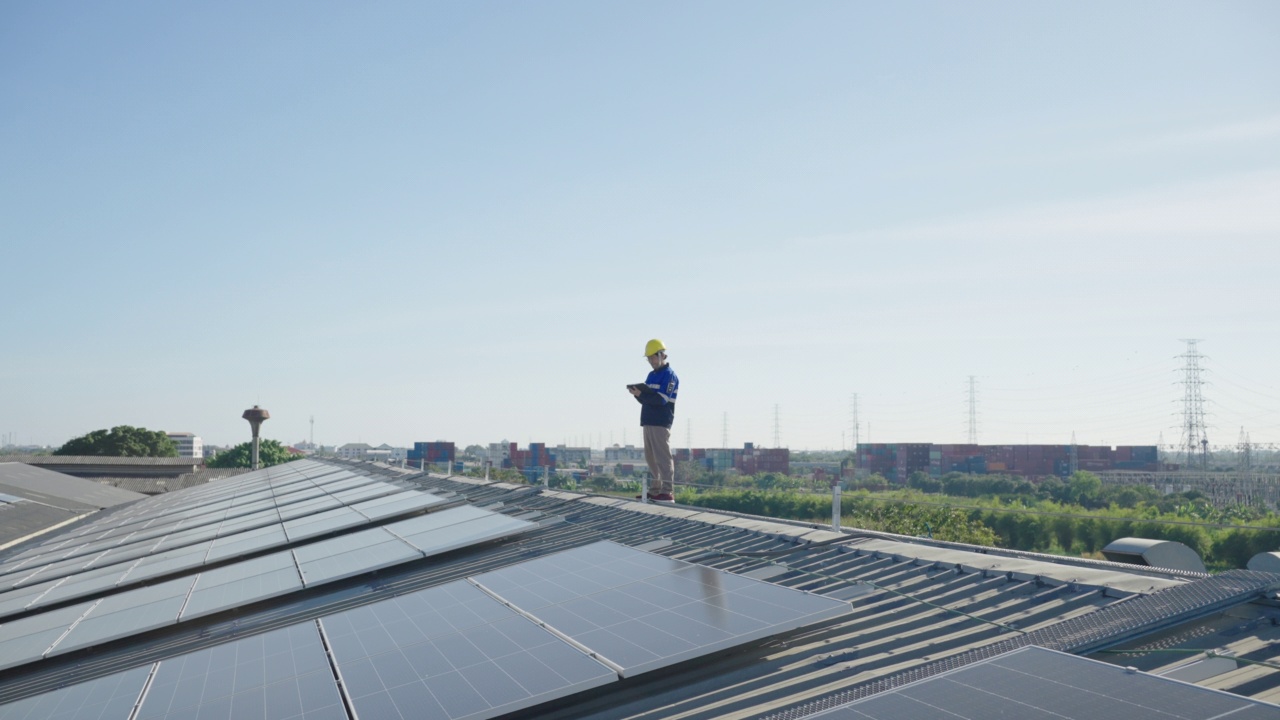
[(129, 441)]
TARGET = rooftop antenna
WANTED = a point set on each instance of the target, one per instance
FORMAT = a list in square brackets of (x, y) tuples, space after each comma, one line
[(256, 416)]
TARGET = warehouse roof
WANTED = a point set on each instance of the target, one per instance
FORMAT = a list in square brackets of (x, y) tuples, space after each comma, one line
[(914, 608)]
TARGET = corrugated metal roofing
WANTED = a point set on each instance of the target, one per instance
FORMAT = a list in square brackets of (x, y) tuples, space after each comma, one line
[(59, 490)]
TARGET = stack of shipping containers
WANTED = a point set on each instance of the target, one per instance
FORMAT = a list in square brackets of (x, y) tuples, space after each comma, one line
[(896, 461), (432, 453)]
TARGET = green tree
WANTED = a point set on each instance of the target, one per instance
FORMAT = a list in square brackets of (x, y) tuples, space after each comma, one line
[(121, 441), (270, 452)]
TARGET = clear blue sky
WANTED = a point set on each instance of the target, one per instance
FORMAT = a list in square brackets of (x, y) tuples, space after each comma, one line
[(462, 221)]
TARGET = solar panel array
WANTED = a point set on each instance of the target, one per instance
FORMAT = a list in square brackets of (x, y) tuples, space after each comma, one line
[(219, 547), (146, 608), (457, 650), (1034, 682), (205, 525)]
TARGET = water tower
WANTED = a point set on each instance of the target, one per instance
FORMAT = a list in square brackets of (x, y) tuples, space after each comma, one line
[(256, 416)]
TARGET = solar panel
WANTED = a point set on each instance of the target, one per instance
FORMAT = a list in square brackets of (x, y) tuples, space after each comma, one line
[(246, 542), (280, 675), (14, 601), (456, 527), (1033, 682), (391, 505), (127, 613), (322, 523), (644, 611), (25, 640), (242, 583), (452, 652), (353, 554), (54, 591), (107, 697)]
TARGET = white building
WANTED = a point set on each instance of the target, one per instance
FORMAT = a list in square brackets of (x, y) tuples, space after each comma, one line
[(189, 444), (354, 451), (498, 452)]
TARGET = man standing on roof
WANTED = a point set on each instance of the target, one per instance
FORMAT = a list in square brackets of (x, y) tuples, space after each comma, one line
[(657, 397)]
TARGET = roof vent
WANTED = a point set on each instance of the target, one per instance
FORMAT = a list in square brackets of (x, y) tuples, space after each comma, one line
[(1265, 562), (1155, 553)]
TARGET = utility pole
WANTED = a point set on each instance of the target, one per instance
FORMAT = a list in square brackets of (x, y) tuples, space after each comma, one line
[(1195, 437), (856, 427), (973, 411)]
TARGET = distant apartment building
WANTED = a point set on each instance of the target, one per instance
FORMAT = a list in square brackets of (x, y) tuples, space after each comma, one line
[(189, 444), (498, 453), (749, 460), (566, 455), (897, 461), (354, 451), (432, 453), (617, 453)]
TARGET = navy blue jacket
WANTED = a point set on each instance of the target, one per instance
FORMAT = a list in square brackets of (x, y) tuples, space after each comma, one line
[(659, 397)]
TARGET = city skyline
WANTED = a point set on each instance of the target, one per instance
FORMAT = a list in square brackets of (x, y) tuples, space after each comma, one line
[(464, 221)]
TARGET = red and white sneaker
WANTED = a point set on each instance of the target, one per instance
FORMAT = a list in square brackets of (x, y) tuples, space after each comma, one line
[(663, 497)]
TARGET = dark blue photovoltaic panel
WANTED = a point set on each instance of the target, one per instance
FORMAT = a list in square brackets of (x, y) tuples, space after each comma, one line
[(1040, 684), (644, 611), (280, 675), (106, 698), (353, 554), (26, 640), (452, 652)]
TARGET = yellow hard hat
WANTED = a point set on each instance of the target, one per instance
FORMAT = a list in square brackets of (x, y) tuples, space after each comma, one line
[(654, 347)]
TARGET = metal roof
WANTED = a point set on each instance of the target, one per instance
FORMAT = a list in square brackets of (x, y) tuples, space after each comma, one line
[(60, 490), (920, 608)]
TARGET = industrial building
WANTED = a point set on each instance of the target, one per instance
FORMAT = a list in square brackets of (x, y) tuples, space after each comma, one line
[(897, 461)]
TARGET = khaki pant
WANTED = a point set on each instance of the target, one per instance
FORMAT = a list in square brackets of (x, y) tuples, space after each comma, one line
[(657, 452)]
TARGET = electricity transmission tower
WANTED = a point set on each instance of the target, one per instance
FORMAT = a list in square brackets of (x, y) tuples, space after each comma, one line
[(724, 433), (1195, 436), (973, 411), (777, 428), (1245, 457)]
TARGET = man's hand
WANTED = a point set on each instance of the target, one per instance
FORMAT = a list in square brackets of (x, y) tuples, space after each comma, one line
[(634, 391)]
